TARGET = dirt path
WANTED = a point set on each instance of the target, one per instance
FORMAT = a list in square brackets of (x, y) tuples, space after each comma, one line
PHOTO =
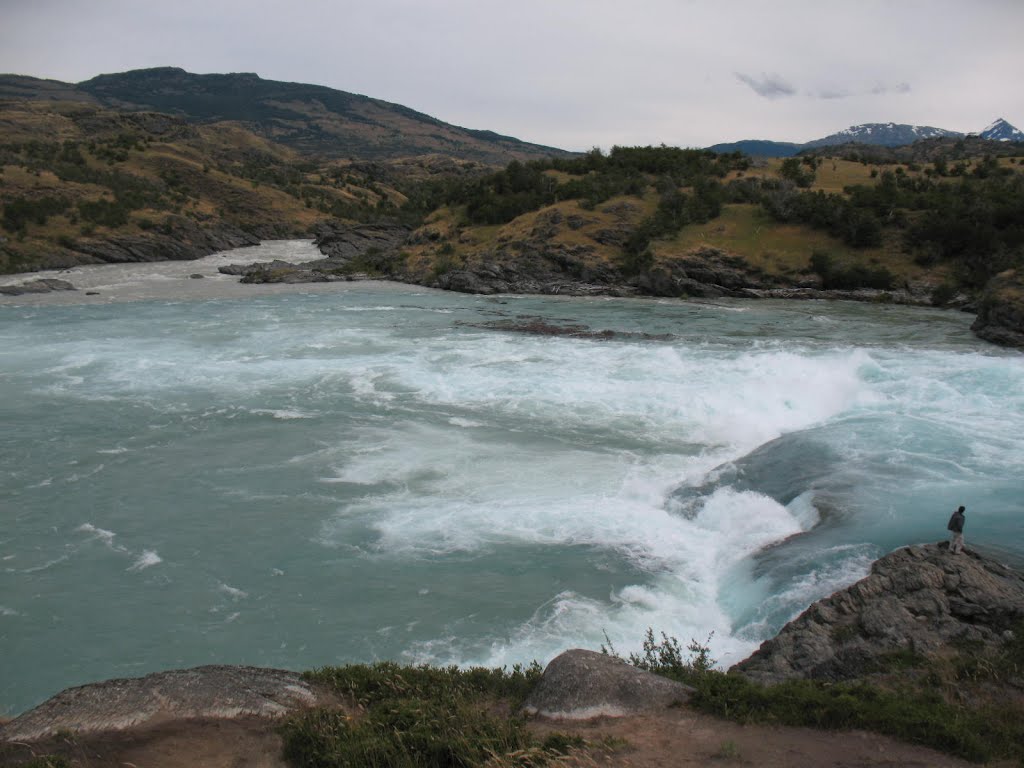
[(682, 737), (678, 737)]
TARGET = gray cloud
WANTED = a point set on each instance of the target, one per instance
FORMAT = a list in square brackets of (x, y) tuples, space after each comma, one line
[(769, 86), (832, 93), (881, 89)]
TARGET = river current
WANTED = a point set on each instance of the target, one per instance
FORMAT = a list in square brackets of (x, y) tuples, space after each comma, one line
[(196, 472)]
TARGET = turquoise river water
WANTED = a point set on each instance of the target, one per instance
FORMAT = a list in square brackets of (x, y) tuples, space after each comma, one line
[(197, 472)]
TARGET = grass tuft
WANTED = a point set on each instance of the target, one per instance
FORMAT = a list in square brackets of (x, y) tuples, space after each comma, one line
[(420, 717)]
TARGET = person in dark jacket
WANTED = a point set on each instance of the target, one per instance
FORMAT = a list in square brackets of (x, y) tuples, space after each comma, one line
[(956, 525)]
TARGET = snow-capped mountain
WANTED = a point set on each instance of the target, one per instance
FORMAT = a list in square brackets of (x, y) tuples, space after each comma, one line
[(884, 134), (1001, 130)]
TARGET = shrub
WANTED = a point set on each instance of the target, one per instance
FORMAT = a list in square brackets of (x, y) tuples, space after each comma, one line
[(850, 278), (21, 211)]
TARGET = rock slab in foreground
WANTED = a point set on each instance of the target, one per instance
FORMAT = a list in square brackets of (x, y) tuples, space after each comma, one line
[(919, 598), (211, 691), (579, 684)]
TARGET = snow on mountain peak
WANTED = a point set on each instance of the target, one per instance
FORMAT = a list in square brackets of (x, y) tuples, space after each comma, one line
[(1000, 130)]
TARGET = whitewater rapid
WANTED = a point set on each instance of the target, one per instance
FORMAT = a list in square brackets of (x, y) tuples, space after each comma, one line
[(306, 476)]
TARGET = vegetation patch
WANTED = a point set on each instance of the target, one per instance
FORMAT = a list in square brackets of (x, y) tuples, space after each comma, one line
[(957, 704), (421, 716)]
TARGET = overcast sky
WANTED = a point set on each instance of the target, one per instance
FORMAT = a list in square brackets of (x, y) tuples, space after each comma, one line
[(573, 73)]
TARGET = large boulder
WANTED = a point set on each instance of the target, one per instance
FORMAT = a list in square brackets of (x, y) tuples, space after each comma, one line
[(1001, 310), (212, 691), (919, 599), (579, 685)]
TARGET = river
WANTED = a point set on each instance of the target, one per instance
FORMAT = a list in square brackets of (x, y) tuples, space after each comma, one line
[(195, 471)]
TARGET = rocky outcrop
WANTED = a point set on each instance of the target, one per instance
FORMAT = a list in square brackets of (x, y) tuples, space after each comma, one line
[(214, 692), (350, 251), (579, 685), (185, 240), (542, 274), (1001, 310), (46, 285), (344, 243), (918, 599), (278, 271)]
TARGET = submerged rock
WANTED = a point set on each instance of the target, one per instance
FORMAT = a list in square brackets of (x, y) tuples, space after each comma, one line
[(918, 599), (579, 685), (213, 691)]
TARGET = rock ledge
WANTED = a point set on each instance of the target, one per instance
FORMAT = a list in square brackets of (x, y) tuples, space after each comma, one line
[(211, 691), (919, 599)]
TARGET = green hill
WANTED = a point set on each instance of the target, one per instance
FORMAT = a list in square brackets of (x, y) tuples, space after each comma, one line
[(310, 119)]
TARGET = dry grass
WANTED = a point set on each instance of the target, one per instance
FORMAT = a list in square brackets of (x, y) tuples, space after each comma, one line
[(835, 175), (778, 249)]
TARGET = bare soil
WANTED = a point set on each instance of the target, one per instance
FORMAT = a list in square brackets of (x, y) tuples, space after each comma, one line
[(676, 737)]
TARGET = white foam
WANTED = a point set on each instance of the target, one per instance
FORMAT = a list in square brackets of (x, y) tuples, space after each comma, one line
[(233, 592), (283, 413), (99, 533), (602, 500), (47, 565), (147, 559), (5, 611), (455, 421)]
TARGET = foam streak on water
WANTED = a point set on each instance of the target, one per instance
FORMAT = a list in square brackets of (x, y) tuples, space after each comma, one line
[(312, 477)]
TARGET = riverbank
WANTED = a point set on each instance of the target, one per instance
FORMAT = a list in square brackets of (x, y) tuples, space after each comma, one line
[(338, 256), (219, 715)]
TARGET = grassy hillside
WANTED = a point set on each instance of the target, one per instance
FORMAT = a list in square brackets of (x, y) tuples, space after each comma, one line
[(72, 174), (663, 219), (816, 221)]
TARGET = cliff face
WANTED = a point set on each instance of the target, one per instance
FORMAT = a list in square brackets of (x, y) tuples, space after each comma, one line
[(919, 599)]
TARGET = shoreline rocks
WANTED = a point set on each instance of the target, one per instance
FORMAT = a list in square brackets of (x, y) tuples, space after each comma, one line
[(1001, 310), (44, 285), (221, 691), (917, 599)]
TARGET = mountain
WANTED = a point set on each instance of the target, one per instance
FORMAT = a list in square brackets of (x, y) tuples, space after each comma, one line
[(1000, 130), (311, 119), (759, 148), (883, 134), (874, 134)]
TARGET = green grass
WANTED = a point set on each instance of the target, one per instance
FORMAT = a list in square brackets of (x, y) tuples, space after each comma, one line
[(936, 702), (420, 717)]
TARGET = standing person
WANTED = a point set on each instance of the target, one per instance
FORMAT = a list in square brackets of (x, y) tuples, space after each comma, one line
[(956, 525)]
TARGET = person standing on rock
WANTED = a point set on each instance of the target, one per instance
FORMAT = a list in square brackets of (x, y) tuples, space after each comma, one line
[(956, 525)]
